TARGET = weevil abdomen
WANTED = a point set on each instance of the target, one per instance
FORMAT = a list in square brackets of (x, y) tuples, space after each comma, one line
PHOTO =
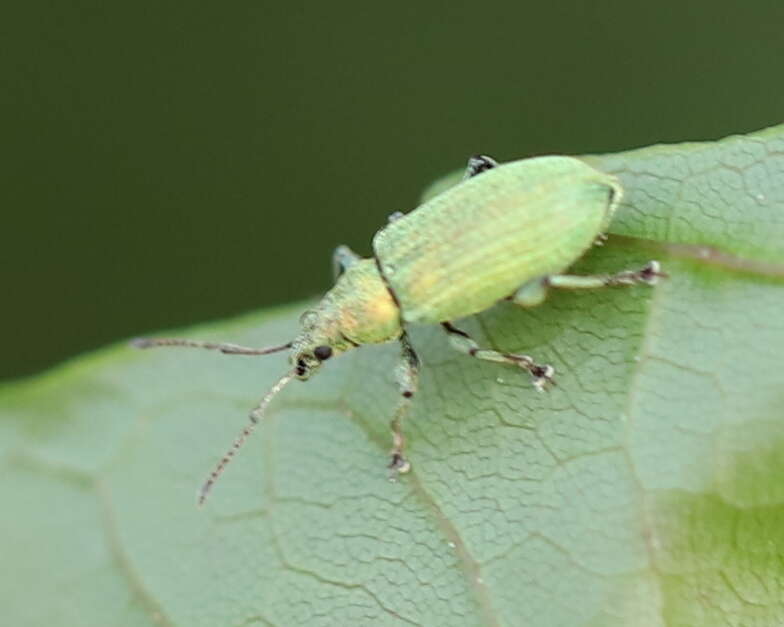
[(478, 242)]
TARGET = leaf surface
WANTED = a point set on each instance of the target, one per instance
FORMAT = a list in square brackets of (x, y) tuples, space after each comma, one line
[(646, 489)]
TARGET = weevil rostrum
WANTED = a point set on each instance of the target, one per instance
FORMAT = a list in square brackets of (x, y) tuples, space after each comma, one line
[(505, 232)]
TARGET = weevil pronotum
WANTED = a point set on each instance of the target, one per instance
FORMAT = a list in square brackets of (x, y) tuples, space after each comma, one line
[(506, 232)]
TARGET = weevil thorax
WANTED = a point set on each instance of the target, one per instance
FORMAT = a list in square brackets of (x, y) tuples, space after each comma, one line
[(358, 310)]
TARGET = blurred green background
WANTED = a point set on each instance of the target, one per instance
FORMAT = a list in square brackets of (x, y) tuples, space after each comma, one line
[(167, 163)]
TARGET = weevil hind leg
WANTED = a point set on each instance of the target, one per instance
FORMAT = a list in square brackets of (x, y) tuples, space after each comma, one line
[(649, 274), (342, 258), (407, 376), (534, 292), (542, 373), (531, 294), (478, 164)]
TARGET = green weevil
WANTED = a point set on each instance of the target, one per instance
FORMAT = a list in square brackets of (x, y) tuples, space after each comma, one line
[(505, 232)]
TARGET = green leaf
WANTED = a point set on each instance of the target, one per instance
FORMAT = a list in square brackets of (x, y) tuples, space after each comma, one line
[(646, 489)]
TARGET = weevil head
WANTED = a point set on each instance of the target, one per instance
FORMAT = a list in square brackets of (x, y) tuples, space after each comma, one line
[(358, 310)]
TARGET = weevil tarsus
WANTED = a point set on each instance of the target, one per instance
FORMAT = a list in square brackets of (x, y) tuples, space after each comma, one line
[(478, 164), (342, 259), (407, 377), (542, 374)]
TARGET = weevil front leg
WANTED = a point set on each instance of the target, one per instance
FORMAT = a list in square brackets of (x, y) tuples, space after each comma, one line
[(342, 258), (407, 375), (534, 292), (542, 374)]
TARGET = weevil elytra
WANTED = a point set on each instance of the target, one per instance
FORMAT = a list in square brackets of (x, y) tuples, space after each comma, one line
[(506, 232)]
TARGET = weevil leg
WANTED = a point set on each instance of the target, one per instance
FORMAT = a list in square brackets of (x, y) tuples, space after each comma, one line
[(649, 274), (542, 374), (534, 292), (407, 375), (342, 258), (531, 294), (478, 164)]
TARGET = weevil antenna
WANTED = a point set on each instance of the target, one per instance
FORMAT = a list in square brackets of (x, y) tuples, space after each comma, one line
[(229, 349), (255, 417)]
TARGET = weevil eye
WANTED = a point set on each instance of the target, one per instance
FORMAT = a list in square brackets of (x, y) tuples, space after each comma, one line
[(322, 353)]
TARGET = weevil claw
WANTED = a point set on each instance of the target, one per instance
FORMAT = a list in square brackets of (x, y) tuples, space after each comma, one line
[(651, 273), (398, 466), (543, 376)]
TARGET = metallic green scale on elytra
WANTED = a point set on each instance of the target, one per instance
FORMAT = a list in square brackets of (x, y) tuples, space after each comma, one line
[(505, 232), (478, 242)]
